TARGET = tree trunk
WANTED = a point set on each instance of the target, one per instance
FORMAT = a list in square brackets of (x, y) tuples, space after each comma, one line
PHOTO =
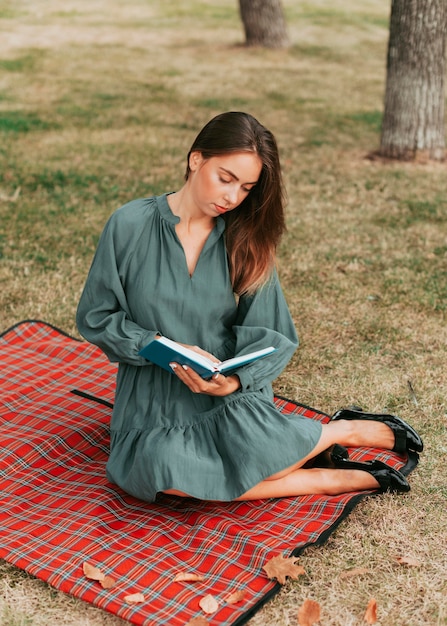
[(264, 23), (413, 122)]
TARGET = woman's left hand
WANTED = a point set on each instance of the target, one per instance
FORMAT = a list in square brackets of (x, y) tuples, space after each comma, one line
[(218, 385)]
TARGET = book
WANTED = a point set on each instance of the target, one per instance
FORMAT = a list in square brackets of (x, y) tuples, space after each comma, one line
[(163, 351)]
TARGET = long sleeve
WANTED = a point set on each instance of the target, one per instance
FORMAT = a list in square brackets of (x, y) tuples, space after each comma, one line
[(264, 320), (103, 316)]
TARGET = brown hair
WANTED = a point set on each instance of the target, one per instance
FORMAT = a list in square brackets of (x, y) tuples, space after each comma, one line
[(254, 229)]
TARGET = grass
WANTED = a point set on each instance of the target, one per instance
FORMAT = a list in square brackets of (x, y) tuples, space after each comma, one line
[(99, 103)]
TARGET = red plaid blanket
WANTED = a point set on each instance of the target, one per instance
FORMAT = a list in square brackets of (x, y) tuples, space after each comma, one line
[(57, 509)]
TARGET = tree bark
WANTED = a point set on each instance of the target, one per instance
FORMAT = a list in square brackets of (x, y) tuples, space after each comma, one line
[(413, 122), (264, 23)]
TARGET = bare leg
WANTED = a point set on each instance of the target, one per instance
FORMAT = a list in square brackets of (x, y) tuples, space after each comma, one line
[(294, 481), (176, 492), (356, 433), (303, 482)]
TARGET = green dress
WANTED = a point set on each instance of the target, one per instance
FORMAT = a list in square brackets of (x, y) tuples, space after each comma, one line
[(163, 436)]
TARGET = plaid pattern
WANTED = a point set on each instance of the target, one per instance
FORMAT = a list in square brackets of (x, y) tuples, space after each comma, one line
[(57, 509)]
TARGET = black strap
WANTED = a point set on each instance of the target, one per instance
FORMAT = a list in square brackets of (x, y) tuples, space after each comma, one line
[(89, 396)]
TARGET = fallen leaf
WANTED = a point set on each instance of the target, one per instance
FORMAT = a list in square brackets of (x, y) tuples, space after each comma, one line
[(134, 598), (280, 567), (197, 621), (235, 597), (16, 194), (309, 613), (209, 604), (355, 571), (12, 198), (408, 560), (108, 582), (92, 572), (371, 612), (186, 577)]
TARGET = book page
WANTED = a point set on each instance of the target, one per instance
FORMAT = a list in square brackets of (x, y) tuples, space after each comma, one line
[(191, 354)]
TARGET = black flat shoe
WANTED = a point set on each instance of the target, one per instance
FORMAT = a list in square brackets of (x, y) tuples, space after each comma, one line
[(331, 456), (406, 438), (388, 478)]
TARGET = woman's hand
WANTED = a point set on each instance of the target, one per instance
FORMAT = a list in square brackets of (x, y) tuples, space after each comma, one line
[(218, 385)]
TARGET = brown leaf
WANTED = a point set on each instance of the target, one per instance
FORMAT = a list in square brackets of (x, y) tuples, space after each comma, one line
[(371, 612), (309, 613), (134, 598), (92, 572), (235, 597), (355, 571), (280, 567), (188, 577), (198, 621), (408, 560), (209, 604), (108, 582)]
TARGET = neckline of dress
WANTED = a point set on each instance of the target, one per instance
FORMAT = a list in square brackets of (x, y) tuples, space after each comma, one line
[(167, 214)]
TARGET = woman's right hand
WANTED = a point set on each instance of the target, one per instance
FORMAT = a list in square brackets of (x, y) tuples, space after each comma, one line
[(218, 385)]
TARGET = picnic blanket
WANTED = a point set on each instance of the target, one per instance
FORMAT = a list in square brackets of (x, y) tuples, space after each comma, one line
[(58, 511)]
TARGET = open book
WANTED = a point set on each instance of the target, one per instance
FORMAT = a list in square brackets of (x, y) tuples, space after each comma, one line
[(163, 351)]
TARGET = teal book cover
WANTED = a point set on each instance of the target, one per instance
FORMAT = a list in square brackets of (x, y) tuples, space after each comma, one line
[(163, 351)]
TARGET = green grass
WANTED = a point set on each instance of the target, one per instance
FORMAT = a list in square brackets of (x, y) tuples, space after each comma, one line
[(25, 63), (330, 15), (434, 211), (319, 52), (22, 122), (7, 11), (104, 111), (189, 14)]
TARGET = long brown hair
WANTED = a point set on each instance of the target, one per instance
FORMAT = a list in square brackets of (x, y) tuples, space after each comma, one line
[(254, 229)]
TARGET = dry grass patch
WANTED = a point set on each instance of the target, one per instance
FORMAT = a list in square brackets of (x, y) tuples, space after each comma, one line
[(26, 601)]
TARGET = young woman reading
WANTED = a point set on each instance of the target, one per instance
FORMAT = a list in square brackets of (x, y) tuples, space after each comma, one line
[(198, 266)]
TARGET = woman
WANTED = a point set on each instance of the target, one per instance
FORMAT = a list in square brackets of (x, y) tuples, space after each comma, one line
[(198, 266)]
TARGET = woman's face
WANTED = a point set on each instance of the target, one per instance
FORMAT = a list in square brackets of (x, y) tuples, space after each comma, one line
[(219, 184)]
